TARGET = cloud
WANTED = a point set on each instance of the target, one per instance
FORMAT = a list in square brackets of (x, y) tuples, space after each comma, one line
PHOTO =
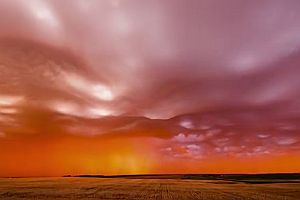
[(182, 138), (187, 73), (286, 141)]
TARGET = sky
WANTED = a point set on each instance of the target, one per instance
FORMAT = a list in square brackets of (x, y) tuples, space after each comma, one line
[(137, 86)]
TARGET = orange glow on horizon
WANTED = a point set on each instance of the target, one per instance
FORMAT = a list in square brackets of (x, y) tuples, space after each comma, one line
[(73, 155)]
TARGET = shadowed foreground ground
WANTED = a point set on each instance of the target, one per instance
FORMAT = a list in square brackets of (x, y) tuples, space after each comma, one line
[(124, 188)]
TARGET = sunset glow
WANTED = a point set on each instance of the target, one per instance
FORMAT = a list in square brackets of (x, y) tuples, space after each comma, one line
[(149, 87)]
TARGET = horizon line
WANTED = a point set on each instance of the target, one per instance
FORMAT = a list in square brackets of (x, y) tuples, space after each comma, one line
[(149, 174)]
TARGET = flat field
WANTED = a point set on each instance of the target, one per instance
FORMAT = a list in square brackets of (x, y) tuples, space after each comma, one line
[(144, 188)]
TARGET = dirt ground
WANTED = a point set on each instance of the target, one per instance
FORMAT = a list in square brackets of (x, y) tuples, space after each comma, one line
[(122, 188)]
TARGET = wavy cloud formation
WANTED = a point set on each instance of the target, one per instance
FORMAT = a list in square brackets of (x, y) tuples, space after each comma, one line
[(199, 77)]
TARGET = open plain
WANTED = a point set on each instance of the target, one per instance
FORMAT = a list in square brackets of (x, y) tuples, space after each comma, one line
[(145, 188)]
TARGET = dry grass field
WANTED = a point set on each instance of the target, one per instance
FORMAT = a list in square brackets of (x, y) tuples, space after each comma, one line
[(126, 188)]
